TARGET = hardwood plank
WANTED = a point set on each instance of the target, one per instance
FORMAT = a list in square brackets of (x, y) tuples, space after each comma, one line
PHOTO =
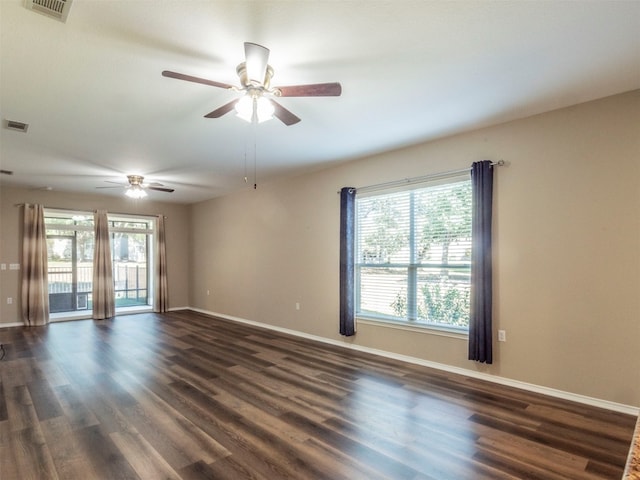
[(51, 371), (227, 468), (343, 463), (75, 410), (31, 454), (8, 466), (572, 443), (104, 455), (4, 414), (167, 430), (44, 401), (273, 423), (562, 463), (146, 461), (66, 450), (380, 461), (20, 409)]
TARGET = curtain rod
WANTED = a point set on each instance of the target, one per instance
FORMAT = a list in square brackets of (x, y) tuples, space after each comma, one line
[(94, 211), (50, 208), (431, 176)]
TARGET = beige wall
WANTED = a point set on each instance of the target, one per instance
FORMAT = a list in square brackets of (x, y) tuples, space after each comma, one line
[(176, 227), (567, 249)]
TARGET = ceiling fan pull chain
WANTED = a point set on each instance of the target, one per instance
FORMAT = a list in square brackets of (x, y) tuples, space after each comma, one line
[(255, 155), (246, 180)]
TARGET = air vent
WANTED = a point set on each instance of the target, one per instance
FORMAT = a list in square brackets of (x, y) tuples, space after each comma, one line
[(17, 126), (58, 9)]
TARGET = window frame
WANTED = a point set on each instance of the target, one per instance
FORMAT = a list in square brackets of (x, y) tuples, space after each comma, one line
[(149, 233), (412, 267), (59, 231)]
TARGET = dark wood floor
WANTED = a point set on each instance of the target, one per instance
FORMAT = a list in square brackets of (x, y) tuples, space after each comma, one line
[(184, 395)]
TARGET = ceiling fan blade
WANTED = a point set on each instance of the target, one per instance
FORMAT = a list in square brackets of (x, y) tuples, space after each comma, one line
[(155, 184), (226, 108), (256, 61), (114, 184), (160, 189), (314, 90), (284, 115), (189, 78)]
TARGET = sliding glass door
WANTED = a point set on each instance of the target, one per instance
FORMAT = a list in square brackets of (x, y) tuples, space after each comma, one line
[(70, 245), (70, 248), (131, 253)]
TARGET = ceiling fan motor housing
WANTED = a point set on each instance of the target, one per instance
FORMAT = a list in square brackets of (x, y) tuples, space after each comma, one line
[(241, 70), (135, 179)]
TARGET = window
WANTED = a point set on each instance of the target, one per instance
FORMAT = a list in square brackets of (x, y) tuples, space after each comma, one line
[(70, 244), (413, 255)]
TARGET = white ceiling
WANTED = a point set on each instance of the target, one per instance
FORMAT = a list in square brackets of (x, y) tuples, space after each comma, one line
[(98, 108)]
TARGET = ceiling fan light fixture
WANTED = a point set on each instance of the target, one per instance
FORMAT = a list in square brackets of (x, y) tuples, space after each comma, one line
[(264, 109), (244, 108), (136, 192), (254, 108)]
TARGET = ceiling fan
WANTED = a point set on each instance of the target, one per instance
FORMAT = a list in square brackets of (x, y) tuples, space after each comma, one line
[(136, 188), (257, 104)]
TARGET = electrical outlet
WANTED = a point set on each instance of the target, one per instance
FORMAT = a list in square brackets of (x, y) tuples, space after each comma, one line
[(502, 335), (297, 306), (207, 293), (9, 300)]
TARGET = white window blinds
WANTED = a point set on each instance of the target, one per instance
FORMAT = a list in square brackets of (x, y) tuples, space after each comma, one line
[(413, 255)]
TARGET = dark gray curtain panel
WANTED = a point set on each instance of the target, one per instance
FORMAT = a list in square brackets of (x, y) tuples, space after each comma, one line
[(480, 322), (161, 292), (347, 261)]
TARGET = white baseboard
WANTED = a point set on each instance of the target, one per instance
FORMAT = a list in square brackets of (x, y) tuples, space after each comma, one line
[(552, 392), (175, 309), (14, 324)]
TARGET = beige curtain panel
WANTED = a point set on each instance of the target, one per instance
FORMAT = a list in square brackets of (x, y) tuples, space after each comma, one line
[(103, 289), (160, 296), (35, 288)]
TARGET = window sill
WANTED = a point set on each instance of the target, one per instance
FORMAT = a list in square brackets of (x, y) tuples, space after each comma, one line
[(416, 327), (66, 316), (134, 309)]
